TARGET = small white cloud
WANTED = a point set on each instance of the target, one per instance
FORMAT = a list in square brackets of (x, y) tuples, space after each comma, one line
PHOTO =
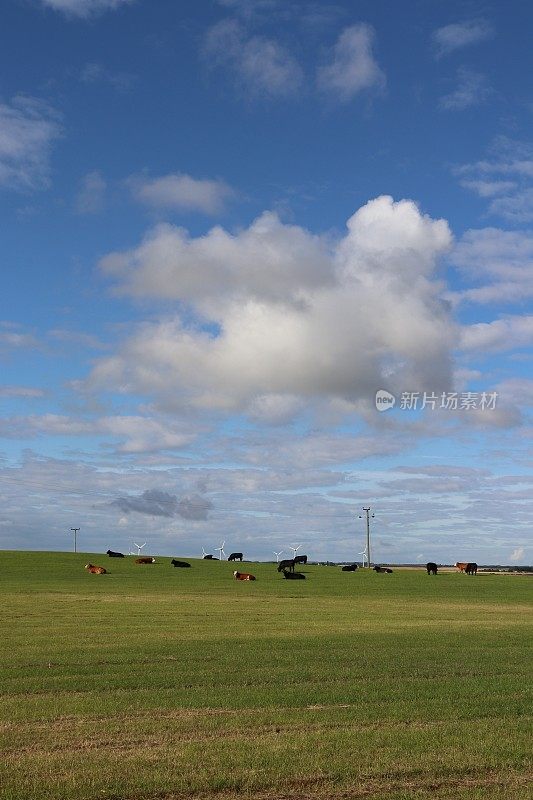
[(489, 188), (27, 129), (84, 8), (517, 554), (181, 192), (352, 67), (472, 90), (461, 34), (261, 66), (91, 196)]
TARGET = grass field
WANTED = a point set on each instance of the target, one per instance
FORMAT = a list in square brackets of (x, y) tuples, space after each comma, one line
[(153, 683)]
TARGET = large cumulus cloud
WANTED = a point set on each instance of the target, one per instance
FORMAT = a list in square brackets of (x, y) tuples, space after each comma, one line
[(282, 313)]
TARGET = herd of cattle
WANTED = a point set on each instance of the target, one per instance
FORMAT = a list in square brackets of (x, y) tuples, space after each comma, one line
[(286, 566)]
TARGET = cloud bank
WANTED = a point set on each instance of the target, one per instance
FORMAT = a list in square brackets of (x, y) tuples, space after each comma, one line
[(279, 314)]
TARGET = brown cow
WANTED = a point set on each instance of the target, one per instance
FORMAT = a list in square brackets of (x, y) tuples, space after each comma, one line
[(243, 576), (96, 570), (461, 565), (145, 560)]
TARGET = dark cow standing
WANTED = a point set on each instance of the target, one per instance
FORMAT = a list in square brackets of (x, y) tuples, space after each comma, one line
[(235, 557), (176, 563), (431, 568), (471, 568), (377, 568), (349, 568), (300, 560), (293, 575), (111, 554), (286, 563)]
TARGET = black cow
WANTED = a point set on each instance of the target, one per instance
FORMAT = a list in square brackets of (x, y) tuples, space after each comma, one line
[(286, 563), (471, 568), (293, 575), (349, 568), (210, 558), (111, 554), (235, 557), (431, 568), (179, 563), (377, 568), (300, 560)]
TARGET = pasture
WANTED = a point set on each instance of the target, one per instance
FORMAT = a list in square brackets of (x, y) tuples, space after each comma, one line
[(153, 683)]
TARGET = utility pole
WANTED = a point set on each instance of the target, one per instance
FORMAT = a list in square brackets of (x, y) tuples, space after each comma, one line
[(75, 531), (367, 512)]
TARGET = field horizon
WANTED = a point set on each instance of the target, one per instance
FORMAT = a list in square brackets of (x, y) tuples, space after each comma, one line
[(154, 683)]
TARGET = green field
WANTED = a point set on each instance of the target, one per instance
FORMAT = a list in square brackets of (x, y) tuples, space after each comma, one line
[(153, 683)]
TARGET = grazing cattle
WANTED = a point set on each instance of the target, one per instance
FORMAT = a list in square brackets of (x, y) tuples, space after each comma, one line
[(286, 563), (243, 576), (349, 568), (431, 568), (300, 560), (471, 568), (377, 568), (179, 563), (96, 570), (293, 575), (111, 554), (235, 557), (461, 565), (145, 560)]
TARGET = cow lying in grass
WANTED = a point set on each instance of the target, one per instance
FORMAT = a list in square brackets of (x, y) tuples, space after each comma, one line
[(111, 554), (95, 570), (377, 568), (145, 560), (349, 568), (293, 575), (179, 563), (243, 576)]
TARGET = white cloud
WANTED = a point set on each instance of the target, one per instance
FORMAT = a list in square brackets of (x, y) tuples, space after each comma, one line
[(352, 66), (472, 90), (91, 196), (499, 335), (461, 34), (261, 66), (287, 314), (503, 258), (489, 188), (84, 8), (135, 434), (27, 129), (178, 191)]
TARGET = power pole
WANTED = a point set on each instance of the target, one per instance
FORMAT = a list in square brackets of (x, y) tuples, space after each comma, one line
[(75, 531), (367, 512)]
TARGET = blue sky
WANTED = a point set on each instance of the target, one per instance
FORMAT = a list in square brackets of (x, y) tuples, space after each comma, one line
[(227, 225)]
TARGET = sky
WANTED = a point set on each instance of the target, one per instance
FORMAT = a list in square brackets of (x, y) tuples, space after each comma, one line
[(266, 263)]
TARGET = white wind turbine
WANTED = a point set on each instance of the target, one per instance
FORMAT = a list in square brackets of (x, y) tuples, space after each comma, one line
[(294, 550), (221, 550), (139, 547), (204, 554), (365, 556), (277, 555)]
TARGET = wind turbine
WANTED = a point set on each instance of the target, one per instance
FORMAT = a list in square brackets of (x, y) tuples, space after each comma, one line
[(139, 547), (221, 550), (277, 555), (294, 550), (365, 556)]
